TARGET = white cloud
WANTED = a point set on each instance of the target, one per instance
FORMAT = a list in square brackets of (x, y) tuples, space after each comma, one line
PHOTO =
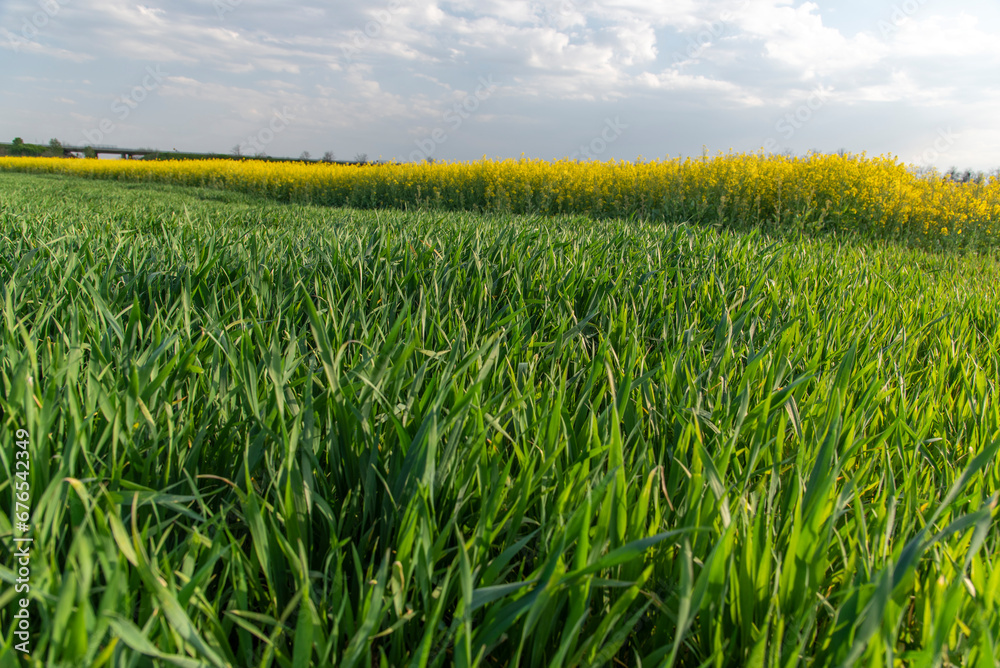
[(943, 37), (900, 86), (19, 44), (796, 39)]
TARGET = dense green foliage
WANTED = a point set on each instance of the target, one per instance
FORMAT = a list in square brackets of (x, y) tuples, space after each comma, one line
[(19, 148), (264, 434)]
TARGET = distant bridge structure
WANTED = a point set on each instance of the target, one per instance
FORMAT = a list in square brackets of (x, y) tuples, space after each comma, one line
[(126, 153), (140, 153), (39, 150)]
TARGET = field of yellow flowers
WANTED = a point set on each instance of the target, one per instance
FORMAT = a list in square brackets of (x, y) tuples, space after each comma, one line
[(854, 194)]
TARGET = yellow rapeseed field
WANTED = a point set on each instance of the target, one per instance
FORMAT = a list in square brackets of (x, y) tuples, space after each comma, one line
[(878, 195)]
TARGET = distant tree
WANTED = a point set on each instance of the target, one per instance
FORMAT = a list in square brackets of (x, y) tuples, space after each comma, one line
[(956, 175), (361, 157), (328, 156), (305, 156), (55, 148), (89, 152), (236, 151), (18, 142)]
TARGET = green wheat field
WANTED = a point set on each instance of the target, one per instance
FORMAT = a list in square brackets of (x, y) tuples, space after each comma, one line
[(267, 434)]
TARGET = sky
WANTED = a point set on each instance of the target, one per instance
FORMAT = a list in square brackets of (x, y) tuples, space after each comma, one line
[(457, 80)]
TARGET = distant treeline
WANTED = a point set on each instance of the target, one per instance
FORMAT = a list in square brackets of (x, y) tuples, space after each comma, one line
[(176, 155), (17, 147), (56, 149)]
